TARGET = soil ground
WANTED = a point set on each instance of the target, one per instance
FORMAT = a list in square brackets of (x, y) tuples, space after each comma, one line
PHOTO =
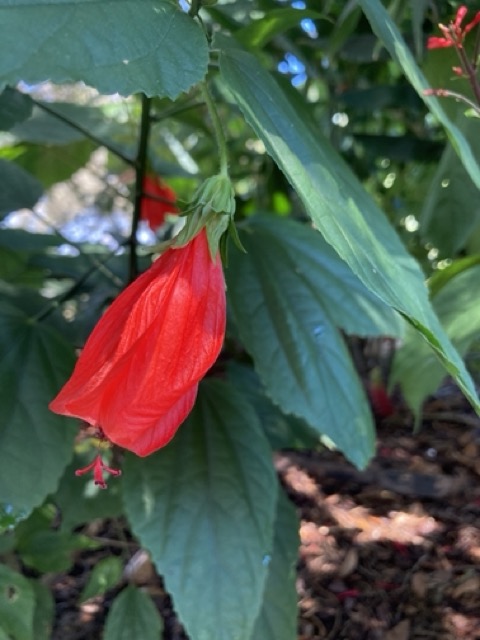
[(390, 553)]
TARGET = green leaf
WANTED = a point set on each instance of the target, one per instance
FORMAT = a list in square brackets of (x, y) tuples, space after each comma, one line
[(51, 164), (44, 611), (283, 432), (415, 368), (386, 30), (288, 303), (80, 500), (17, 603), (132, 46), (7, 541), (451, 210), (351, 306), (20, 240), (278, 616), (19, 188), (52, 551), (14, 107), (276, 21), (339, 206), (43, 127), (15, 269), (105, 575), (204, 507), (133, 615), (440, 277), (35, 444)]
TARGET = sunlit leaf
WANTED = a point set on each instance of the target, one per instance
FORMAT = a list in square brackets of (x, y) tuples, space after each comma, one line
[(125, 47), (339, 206)]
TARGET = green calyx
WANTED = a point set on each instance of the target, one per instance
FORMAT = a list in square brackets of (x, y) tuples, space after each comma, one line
[(212, 207), (216, 195)]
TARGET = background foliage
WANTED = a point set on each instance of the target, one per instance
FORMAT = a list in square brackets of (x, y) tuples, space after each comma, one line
[(353, 190)]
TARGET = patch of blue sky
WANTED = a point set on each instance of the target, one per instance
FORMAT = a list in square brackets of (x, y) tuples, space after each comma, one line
[(309, 27), (291, 65)]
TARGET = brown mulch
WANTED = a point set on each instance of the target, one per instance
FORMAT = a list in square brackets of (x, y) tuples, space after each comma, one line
[(390, 553)]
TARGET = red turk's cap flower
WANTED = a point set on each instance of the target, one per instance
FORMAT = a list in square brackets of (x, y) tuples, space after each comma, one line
[(154, 210), (138, 374), (454, 34)]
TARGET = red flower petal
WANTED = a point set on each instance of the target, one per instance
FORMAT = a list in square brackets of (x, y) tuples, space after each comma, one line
[(438, 43), (472, 24), (152, 210), (460, 15), (138, 374)]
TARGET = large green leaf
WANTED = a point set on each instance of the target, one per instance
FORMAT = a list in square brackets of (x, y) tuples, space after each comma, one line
[(19, 189), (337, 203), (386, 30), (131, 46), (204, 507), (133, 615), (287, 303), (415, 368), (278, 616), (35, 444), (17, 603)]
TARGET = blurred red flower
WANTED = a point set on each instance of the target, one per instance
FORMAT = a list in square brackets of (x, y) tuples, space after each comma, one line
[(454, 33), (154, 209), (138, 374)]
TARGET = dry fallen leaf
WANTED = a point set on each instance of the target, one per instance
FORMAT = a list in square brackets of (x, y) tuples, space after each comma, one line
[(401, 631)]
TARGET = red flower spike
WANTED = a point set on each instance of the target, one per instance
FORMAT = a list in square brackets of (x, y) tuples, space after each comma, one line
[(138, 374), (98, 467), (153, 211), (454, 34)]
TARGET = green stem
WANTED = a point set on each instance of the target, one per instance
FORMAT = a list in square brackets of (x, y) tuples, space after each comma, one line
[(140, 166), (195, 6), (217, 129), (88, 134)]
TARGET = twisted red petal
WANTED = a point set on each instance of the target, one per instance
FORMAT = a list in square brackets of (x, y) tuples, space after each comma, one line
[(138, 374)]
